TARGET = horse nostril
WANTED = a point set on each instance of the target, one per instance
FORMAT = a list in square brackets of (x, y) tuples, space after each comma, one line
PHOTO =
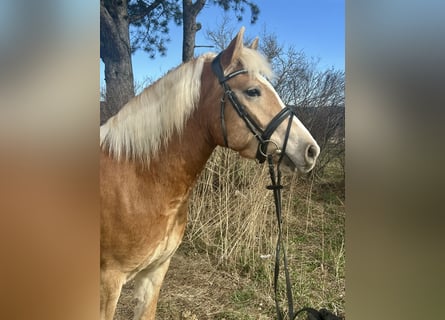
[(312, 152)]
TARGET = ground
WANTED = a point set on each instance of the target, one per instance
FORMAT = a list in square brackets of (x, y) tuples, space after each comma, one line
[(195, 289)]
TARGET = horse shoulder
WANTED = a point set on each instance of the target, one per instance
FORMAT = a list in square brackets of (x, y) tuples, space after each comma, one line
[(140, 225)]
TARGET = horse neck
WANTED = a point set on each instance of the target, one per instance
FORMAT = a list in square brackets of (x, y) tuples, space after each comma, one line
[(185, 156)]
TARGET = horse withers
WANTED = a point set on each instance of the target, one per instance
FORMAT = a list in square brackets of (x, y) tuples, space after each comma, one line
[(154, 148)]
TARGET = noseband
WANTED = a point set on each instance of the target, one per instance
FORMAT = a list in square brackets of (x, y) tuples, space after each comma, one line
[(263, 136)]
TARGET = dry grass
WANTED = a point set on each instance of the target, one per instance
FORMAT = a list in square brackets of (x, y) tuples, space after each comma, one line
[(230, 215), (224, 268)]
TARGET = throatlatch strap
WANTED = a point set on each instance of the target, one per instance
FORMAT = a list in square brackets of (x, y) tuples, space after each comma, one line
[(223, 121)]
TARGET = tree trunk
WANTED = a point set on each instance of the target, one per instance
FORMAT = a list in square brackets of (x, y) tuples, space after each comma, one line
[(190, 12), (115, 52)]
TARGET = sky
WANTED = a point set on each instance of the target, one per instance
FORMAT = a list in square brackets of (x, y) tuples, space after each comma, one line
[(316, 27)]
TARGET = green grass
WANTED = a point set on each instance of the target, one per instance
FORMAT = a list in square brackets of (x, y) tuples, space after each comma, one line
[(241, 297)]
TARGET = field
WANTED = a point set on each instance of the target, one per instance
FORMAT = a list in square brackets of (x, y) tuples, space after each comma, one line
[(224, 267)]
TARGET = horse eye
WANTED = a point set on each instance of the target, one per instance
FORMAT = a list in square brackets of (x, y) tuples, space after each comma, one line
[(253, 92)]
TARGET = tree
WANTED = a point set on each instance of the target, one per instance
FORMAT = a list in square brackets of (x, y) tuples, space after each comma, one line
[(149, 21), (190, 27), (115, 52), (130, 25), (192, 9), (222, 33)]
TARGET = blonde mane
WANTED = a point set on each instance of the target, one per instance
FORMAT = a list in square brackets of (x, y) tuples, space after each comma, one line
[(148, 120)]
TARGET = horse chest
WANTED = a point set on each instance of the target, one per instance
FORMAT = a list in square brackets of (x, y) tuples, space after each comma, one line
[(165, 248), (158, 251)]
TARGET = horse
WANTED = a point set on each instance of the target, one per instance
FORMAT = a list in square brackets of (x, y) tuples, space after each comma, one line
[(153, 150)]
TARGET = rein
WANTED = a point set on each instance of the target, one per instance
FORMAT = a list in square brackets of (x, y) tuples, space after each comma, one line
[(313, 314), (263, 137)]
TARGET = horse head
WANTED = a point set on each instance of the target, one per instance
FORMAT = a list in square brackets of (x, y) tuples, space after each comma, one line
[(252, 119)]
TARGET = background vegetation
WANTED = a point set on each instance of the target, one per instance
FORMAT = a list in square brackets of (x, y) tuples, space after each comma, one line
[(224, 267)]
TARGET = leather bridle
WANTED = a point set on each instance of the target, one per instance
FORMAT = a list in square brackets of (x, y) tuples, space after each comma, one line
[(263, 136)]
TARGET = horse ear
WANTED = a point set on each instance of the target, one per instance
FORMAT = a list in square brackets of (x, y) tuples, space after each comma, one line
[(233, 51), (254, 44)]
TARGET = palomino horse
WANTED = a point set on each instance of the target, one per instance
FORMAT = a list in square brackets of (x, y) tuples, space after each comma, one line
[(153, 150)]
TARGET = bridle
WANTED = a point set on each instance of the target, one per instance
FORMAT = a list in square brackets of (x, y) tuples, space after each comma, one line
[(264, 138)]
